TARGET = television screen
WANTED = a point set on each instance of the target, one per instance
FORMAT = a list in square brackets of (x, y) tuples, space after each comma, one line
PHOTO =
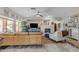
[(33, 25)]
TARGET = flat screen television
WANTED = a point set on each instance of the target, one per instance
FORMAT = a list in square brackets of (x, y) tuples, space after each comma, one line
[(33, 25)]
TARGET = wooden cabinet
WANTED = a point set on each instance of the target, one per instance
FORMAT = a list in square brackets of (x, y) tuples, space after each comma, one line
[(8, 39), (18, 40), (21, 38), (27, 40), (35, 38)]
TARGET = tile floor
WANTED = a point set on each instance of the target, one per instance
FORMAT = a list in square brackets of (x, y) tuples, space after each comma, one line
[(55, 47), (48, 46)]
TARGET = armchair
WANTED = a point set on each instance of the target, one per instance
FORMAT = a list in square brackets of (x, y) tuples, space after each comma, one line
[(57, 36)]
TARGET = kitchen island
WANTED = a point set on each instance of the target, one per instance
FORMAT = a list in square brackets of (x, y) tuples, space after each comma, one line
[(21, 38)]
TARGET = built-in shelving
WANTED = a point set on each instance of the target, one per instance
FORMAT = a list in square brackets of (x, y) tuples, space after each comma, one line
[(73, 27)]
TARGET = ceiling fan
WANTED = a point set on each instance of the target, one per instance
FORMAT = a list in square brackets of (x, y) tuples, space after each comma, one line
[(38, 13)]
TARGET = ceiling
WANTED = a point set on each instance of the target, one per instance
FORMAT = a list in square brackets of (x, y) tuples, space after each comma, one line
[(46, 11)]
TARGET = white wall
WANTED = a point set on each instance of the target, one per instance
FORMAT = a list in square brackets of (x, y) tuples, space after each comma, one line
[(1, 10), (43, 27)]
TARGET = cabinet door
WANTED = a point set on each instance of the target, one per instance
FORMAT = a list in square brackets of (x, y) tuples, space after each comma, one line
[(18, 40), (21, 40), (27, 40), (8, 40), (35, 39), (39, 38)]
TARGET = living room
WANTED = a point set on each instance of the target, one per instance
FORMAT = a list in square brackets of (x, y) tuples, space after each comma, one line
[(39, 26)]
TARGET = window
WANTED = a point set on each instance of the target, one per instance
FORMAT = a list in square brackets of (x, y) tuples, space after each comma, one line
[(10, 26), (1, 25), (18, 26)]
